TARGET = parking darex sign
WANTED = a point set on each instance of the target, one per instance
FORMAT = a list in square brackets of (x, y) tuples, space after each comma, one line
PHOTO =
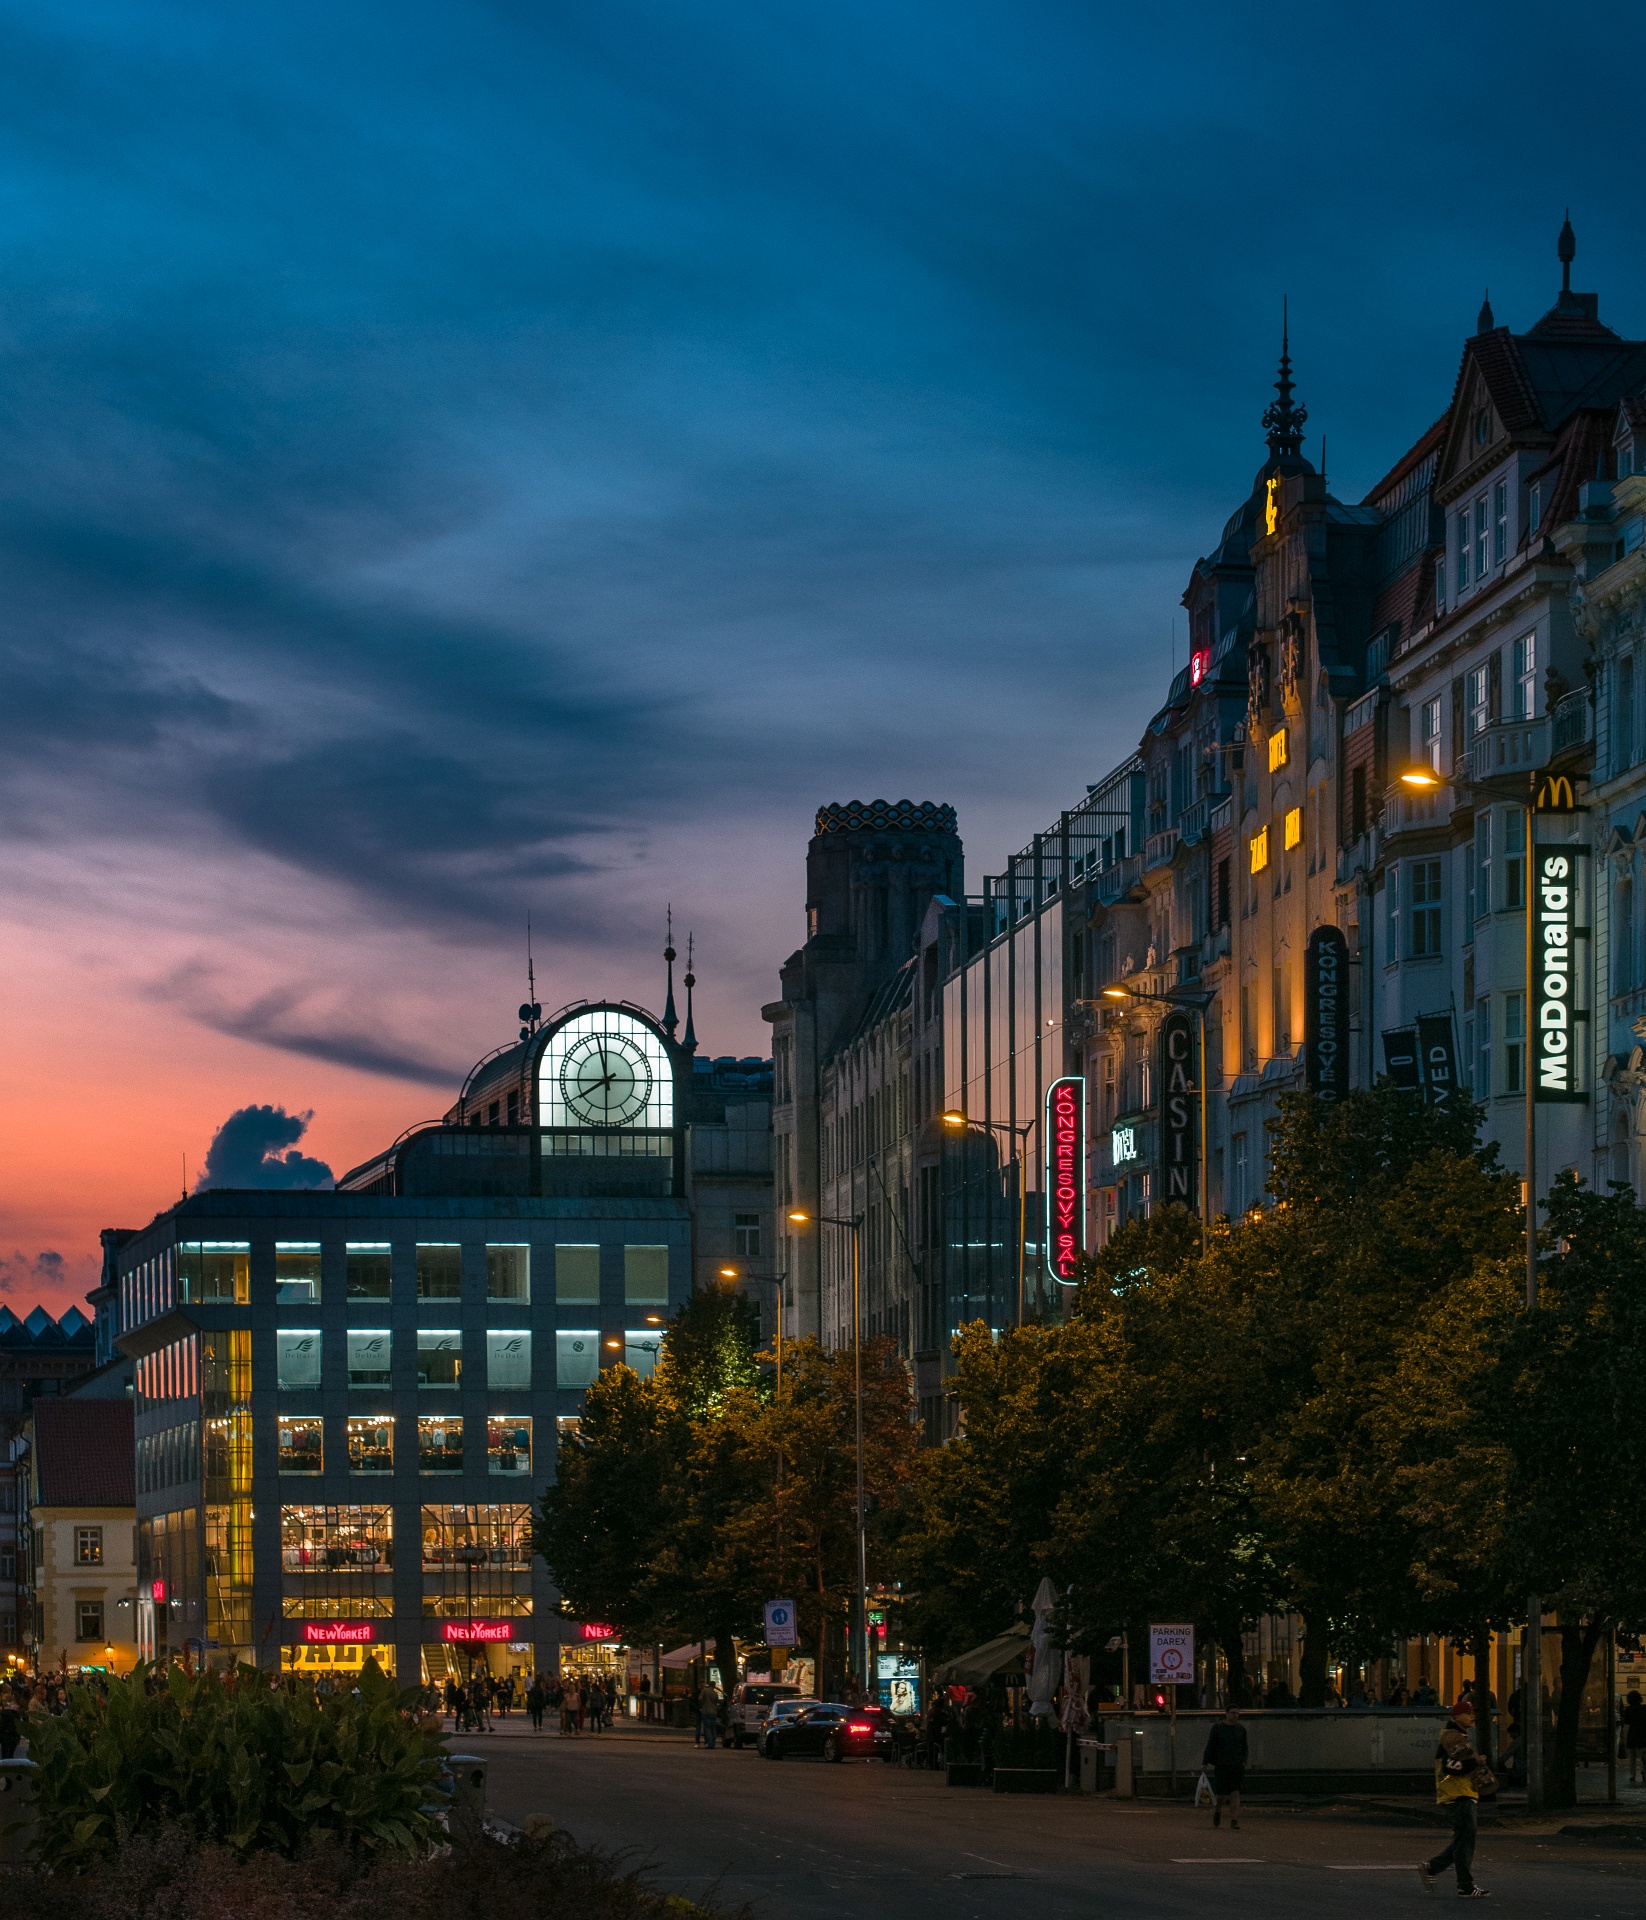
[(1171, 1656)]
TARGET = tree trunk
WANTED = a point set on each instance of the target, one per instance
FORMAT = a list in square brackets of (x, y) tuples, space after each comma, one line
[(1311, 1675), (1233, 1642), (725, 1658), (1485, 1717), (1577, 1653)]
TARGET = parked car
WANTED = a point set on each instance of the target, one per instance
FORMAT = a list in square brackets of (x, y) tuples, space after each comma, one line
[(751, 1705), (833, 1731)]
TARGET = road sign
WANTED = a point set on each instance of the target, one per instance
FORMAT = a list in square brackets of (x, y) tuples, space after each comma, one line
[(1171, 1656), (780, 1624)]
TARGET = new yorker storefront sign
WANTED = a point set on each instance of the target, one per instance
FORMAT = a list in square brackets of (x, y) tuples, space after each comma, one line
[(1065, 1177), (1326, 1013), (1179, 1146)]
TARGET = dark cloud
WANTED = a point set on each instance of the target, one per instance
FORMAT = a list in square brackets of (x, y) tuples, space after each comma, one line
[(257, 1147), (22, 1273)]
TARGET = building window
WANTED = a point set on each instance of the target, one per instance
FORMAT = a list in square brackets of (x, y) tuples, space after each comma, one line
[(508, 1443), (646, 1276), (1429, 733), (577, 1274), (1239, 1198), (439, 1271), (1463, 550), (1294, 828), (1391, 907), (1482, 536), (371, 1443), (88, 1546), (1260, 849), (302, 1446), (369, 1353), (509, 1274), (1623, 939), (296, 1272), (1440, 583), (576, 1357), (1514, 1043), (1534, 507), (1623, 716), (439, 1356), (1514, 859), (1479, 716), (1277, 749), (641, 1348), (1525, 676), (1500, 521), (1425, 918), (367, 1269), (746, 1235), (508, 1360), (1483, 863), (88, 1620), (1483, 1049), (439, 1444), (297, 1359), (215, 1272)]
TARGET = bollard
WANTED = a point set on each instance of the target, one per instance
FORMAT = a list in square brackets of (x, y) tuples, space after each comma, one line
[(16, 1812), (468, 1790)]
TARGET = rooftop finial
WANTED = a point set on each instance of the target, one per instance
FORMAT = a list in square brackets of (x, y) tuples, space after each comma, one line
[(530, 1011), (689, 1042), (1487, 319), (1566, 249), (671, 1019), (1282, 421)]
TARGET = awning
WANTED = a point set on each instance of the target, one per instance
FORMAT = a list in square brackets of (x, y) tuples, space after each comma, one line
[(684, 1656), (994, 1656)]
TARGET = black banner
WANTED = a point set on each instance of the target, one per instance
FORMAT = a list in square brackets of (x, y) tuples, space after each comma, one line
[(1326, 1013), (1400, 1057), (1179, 1123), (1437, 1047)]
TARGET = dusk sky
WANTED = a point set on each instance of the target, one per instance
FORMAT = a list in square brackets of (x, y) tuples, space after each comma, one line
[(464, 460)]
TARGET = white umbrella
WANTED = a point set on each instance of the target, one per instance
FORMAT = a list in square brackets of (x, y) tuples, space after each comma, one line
[(1044, 1659)]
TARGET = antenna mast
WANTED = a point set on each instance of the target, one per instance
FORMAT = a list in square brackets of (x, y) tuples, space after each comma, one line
[(530, 1012)]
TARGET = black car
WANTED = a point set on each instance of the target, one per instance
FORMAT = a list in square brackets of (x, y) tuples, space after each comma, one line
[(831, 1730)]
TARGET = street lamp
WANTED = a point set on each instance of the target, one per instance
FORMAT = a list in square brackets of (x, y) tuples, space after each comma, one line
[(801, 1218), (958, 1122), (1197, 1003)]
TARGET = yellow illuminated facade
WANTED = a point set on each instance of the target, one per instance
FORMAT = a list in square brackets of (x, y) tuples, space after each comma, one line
[(1260, 849), (1294, 827), (1277, 749)]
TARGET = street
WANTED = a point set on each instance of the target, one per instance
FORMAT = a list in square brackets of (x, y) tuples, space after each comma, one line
[(801, 1838)]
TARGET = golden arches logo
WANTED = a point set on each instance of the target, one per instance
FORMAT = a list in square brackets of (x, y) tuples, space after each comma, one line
[(1555, 794)]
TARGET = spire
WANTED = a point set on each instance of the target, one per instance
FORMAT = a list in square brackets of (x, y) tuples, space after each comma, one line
[(1282, 421), (671, 1019), (1487, 320), (690, 1040), (1566, 251)]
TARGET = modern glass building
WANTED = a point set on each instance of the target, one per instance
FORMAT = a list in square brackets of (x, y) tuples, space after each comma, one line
[(347, 1403)]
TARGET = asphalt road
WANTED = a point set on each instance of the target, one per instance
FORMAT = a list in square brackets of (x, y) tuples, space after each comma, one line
[(799, 1840)]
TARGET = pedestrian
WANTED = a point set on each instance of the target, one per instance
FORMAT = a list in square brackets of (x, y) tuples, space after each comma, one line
[(574, 1707), (1460, 1773), (11, 1732), (1226, 1749), (1634, 1735), (708, 1715), (535, 1703)]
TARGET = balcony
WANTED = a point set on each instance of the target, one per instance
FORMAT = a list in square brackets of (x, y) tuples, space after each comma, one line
[(1520, 746), (1572, 724), (1118, 880), (1159, 848)]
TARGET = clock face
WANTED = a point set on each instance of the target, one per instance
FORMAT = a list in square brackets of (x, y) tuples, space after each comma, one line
[(605, 1080)]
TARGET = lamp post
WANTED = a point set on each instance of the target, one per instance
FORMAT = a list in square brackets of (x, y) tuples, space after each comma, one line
[(855, 1224), (1197, 1004), (958, 1122)]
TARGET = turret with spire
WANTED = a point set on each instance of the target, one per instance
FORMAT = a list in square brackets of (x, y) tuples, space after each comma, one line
[(689, 1043), (671, 1019), (1282, 421), (1574, 316)]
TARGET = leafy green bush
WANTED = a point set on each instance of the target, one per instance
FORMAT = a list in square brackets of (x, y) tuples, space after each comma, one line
[(231, 1759), (168, 1875)]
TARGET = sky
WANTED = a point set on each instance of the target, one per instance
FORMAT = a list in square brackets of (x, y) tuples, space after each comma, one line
[(459, 461)]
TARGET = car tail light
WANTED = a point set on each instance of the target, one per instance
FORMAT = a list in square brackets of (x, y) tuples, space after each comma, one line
[(859, 1726)]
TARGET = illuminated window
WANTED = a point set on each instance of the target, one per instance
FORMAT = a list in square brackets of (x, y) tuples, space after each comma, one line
[(646, 1276), (1294, 827), (296, 1272), (297, 1359), (508, 1359), (1277, 749), (371, 1443), (509, 1273), (439, 1356), (215, 1271), (369, 1352), (1429, 733), (576, 1357), (439, 1445), (88, 1546), (641, 1348), (508, 1443), (577, 1272), (1260, 849), (302, 1449)]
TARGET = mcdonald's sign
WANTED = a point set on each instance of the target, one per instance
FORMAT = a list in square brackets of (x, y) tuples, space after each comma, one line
[(1554, 793), (1560, 954)]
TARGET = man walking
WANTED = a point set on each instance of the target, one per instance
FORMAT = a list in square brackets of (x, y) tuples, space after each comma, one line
[(708, 1716), (1458, 1776), (1634, 1736), (1226, 1749)]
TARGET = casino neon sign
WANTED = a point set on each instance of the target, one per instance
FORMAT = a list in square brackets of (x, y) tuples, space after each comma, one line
[(1065, 1178)]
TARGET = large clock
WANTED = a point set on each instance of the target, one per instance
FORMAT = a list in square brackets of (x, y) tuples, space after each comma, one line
[(605, 1080)]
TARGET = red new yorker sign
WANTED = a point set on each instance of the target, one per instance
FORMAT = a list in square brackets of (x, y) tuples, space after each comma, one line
[(338, 1633), (1065, 1177), (593, 1630), (474, 1631)]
